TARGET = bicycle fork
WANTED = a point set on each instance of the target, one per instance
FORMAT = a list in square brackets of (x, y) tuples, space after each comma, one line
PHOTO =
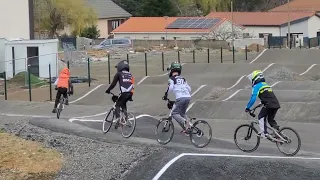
[(249, 133)]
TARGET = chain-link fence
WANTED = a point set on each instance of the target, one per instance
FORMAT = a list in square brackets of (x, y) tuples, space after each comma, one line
[(29, 79)]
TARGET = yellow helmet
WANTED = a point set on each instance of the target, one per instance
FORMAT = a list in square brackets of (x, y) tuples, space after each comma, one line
[(256, 76)]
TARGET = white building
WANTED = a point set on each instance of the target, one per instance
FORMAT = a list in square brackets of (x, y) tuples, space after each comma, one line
[(275, 24), (176, 28), (17, 55), (16, 19)]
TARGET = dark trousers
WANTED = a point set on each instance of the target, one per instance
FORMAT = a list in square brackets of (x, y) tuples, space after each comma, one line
[(122, 102), (60, 91), (268, 113)]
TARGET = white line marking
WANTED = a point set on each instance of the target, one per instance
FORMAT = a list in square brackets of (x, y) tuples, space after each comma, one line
[(308, 69), (258, 56), (86, 94), (236, 83), (268, 67), (275, 83), (232, 95), (251, 156), (25, 115), (95, 120), (142, 80), (202, 86), (190, 106), (159, 174), (172, 161)]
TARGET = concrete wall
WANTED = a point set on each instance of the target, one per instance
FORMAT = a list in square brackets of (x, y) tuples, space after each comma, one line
[(103, 27), (242, 43), (2, 54), (301, 27), (159, 36), (181, 43), (14, 19), (255, 30), (313, 26)]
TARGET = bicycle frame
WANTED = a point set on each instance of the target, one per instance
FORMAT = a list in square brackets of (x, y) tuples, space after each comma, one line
[(256, 121)]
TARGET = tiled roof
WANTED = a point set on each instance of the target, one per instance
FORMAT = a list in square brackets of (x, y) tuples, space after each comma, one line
[(299, 5), (154, 24), (261, 18), (108, 9)]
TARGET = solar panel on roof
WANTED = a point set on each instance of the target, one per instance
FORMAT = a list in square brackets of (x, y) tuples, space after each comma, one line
[(192, 23)]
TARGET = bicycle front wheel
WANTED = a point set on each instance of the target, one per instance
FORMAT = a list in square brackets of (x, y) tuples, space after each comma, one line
[(107, 122), (200, 129), (59, 109), (248, 132), (129, 126), (164, 128), (290, 137)]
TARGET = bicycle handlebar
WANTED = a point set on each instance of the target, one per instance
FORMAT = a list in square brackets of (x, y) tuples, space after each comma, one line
[(251, 112)]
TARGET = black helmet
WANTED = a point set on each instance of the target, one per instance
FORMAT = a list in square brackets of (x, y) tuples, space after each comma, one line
[(175, 67), (123, 65)]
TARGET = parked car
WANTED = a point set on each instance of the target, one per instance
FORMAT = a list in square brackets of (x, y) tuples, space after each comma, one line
[(109, 43)]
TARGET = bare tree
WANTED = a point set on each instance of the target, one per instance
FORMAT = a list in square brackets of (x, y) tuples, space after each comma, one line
[(223, 33)]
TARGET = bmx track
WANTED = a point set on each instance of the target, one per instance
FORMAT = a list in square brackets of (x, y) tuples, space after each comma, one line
[(219, 95)]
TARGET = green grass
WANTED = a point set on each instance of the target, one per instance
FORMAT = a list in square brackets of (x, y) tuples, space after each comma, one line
[(20, 79)]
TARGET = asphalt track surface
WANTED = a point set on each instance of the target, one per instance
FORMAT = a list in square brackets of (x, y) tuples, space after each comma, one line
[(299, 110)]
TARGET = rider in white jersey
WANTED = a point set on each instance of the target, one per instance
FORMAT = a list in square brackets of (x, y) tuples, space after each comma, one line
[(182, 91)]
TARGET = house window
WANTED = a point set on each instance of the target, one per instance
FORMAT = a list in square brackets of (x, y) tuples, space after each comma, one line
[(245, 35), (115, 24), (162, 38)]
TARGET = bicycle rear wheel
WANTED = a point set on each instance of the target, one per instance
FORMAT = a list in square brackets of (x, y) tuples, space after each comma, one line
[(290, 136), (129, 126), (248, 130), (107, 122), (59, 108), (164, 127), (196, 133)]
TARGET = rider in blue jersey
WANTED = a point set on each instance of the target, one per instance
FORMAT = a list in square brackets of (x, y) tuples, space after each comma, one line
[(271, 104), (181, 90)]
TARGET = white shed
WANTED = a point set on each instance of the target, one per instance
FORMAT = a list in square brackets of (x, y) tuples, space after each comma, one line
[(17, 55)]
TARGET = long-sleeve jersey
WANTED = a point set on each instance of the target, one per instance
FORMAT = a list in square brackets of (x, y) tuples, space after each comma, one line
[(179, 86), (126, 82), (266, 95)]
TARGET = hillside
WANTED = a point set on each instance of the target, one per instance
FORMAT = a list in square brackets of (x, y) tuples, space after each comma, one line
[(192, 7)]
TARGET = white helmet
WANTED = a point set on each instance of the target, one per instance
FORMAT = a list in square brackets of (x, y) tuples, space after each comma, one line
[(255, 77)]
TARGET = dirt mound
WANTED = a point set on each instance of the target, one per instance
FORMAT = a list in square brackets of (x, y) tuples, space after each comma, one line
[(215, 93), (255, 47), (283, 74)]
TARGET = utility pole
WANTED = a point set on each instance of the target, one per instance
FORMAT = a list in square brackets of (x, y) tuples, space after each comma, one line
[(232, 24), (289, 24), (166, 17)]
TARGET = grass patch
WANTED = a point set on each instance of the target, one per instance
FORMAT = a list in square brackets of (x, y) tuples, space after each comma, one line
[(20, 78), (22, 159)]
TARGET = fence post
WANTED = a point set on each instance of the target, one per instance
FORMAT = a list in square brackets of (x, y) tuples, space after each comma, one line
[(194, 56), (290, 44), (233, 54), (29, 82), (50, 83), (178, 56), (89, 76), (257, 47), (5, 86), (300, 43), (246, 52), (128, 58), (109, 73), (221, 55), (146, 63), (162, 60), (208, 55), (68, 65), (309, 42)]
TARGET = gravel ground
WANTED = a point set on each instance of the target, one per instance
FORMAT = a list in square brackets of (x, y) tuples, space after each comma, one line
[(84, 158), (283, 74)]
